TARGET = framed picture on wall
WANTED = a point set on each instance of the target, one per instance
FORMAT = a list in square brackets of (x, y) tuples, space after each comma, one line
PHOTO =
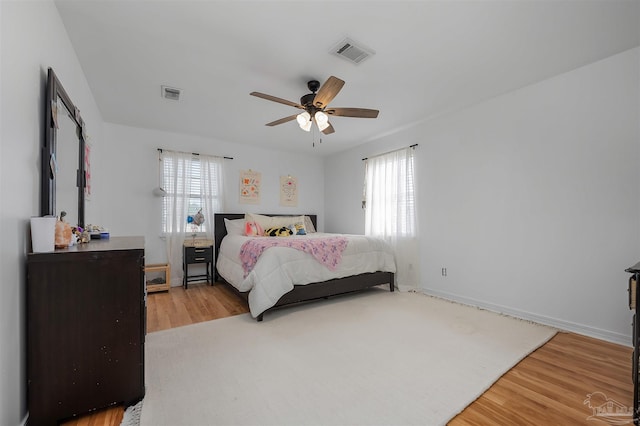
[(288, 191), (250, 182)]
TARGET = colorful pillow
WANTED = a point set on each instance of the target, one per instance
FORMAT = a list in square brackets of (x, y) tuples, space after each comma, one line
[(252, 229), (278, 232)]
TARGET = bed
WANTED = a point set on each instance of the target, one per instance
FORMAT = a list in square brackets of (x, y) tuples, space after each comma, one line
[(286, 289)]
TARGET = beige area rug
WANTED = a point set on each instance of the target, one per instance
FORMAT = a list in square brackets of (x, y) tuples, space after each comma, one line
[(373, 358)]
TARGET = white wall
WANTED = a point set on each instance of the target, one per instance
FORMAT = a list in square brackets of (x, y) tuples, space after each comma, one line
[(32, 39), (125, 171), (530, 199)]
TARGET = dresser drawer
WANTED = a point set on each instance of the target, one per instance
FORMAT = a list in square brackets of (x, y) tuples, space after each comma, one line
[(198, 254)]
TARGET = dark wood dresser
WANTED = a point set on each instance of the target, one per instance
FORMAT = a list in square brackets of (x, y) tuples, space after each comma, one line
[(85, 328), (634, 304)]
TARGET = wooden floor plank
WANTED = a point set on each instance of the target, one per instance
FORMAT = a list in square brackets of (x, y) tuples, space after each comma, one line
[(200, 302), (546, 388), (551, 385)]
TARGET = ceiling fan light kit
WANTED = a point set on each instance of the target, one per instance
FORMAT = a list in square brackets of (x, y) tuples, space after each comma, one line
[(304, 120), (322, 120), (314, 106)]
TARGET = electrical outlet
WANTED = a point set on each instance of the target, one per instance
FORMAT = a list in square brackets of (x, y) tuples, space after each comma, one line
[(444, 272)]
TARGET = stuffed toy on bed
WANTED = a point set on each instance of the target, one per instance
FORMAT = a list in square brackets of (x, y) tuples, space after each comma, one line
[(278, 232), (252, 229), (299, 229)]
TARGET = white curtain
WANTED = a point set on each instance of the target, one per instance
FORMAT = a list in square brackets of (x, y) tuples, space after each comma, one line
[(177, 182), (191, 182), (390, 210), (211, 190)]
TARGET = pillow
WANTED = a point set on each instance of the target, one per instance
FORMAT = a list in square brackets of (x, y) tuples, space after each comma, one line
[(267, 222), (282, 231), (286, 220), (252, 229), (234, 227), (308, 225), (263, 221)]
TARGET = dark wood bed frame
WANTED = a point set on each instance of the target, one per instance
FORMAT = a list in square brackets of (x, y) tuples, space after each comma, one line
[(307, 292)]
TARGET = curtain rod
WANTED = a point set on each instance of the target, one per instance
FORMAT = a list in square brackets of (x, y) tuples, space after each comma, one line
[(389, 152), (194, 153)]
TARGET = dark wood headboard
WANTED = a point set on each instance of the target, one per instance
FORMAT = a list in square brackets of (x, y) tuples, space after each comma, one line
[(220, 230)]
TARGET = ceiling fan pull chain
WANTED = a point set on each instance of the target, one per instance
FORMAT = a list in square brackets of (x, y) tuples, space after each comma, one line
[(313, 137)]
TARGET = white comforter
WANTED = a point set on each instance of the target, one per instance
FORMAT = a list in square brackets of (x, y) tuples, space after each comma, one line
[(279, 268)]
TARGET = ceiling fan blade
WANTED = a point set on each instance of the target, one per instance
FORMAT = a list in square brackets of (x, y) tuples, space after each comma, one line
[(327, 92), (282, 120), (276, 99), (329, 130), (353, 112)]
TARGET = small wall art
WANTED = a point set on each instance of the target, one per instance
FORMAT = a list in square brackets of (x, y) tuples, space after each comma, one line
[(288, 191), (250, 182)]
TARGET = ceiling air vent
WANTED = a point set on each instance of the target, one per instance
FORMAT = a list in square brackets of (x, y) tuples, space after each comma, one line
[(171, 93), (352, 52)]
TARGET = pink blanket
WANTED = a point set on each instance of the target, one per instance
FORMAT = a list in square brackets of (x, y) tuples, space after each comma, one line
[(327, 251)]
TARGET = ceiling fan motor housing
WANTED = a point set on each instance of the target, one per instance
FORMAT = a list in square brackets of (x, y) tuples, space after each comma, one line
[(307, 100)]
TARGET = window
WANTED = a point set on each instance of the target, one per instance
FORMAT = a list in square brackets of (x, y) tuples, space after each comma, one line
[(390, 210), (390, 194), (192, 183)]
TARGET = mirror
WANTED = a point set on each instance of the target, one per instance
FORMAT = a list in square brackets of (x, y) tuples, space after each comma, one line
[(67, 146), (63, 177)]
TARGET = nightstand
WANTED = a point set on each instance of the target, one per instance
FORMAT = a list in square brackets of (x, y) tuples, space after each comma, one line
[(197, 252)]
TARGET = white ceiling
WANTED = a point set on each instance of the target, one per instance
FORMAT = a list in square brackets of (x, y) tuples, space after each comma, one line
[(431, 57)]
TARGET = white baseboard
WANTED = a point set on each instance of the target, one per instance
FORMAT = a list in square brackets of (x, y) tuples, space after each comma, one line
[(609, 336)]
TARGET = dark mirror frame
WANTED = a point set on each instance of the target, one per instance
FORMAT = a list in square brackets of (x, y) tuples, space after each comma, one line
[(56, 92)]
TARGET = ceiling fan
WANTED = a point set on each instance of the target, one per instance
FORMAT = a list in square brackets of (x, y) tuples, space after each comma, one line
[(315, 106)]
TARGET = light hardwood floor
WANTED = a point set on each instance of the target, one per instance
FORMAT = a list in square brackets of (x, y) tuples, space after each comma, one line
[(548, 387), (201, 302)]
